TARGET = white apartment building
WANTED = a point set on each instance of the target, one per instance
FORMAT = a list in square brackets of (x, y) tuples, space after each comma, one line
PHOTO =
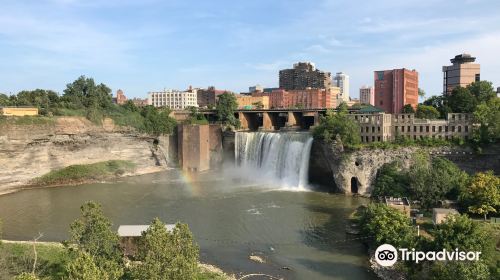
[(341, 80), (173, 99)]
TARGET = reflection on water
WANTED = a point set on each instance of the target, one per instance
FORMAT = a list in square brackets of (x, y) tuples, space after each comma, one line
[(231, 219)]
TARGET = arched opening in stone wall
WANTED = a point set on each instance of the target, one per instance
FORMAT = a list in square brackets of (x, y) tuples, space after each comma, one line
[(354, 185)]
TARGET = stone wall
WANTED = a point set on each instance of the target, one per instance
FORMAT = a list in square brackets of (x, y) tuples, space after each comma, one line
[(30, 151), (355, 172)]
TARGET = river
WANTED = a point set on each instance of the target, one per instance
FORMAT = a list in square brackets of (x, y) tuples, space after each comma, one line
[(230, 219)]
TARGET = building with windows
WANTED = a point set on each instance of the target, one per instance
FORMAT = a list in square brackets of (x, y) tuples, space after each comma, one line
[(208, 97), (462, 72), (380, 127), (307, 98), (341, 80), (367, 95), (396, 88), (304, 75), (252, 102), (173, 99)]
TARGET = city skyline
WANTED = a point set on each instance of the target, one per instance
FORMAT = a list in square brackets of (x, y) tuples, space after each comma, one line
[(151, 45)]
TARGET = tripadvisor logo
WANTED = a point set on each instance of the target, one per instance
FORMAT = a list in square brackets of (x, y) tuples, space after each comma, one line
[(387, 255)]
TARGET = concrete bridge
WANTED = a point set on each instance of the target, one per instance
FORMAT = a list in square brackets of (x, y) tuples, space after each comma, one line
[(267, 119)]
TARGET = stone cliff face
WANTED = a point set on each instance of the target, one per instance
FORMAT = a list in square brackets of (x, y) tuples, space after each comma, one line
[(27, 152), (355, 172)]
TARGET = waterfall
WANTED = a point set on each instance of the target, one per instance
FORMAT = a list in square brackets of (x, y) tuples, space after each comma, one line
[(280, 157)]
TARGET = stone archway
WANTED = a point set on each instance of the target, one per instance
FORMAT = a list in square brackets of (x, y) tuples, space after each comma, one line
[(354, 185)]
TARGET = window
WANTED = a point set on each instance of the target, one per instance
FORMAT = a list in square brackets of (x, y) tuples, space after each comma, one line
[(453, 128), (421, 128), (373, 138), (378, 138), (402, 129), (409, 129), (459, 129), (381, 102), (466, 128), (433, 129), (426, 129), (378, 128), (373, 129), (440, 128), (414, 128), (446, 129)]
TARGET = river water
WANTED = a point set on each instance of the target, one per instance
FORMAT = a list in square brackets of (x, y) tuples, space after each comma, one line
[(230, 218)]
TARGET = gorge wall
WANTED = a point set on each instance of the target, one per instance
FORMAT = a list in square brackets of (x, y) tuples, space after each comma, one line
[(355, 172), (29, 151)]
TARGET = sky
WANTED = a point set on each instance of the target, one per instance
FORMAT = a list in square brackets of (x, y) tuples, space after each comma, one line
[(146, 45)]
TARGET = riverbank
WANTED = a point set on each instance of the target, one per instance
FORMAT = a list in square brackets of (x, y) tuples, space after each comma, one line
[(30, 150), (51, 181), (18, 256)]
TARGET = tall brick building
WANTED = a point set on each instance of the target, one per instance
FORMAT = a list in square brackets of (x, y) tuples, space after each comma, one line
[(304, 75), (396, 88), (120, 98), (462, 73)]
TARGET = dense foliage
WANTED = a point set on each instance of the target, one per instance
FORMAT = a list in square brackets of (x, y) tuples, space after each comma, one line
[(383, 224), (165, 255), (84, 97), (195, 117), (338, 124), (226, 106), (482, 196), (427, 181), (386, 225), (426, 112), (408, 109)]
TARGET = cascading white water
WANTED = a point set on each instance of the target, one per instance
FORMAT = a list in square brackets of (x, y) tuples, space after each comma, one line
[(281, 157)]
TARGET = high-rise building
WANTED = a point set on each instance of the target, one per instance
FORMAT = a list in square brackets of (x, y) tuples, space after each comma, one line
[(462, 73), (341, 80), (396, 88), (173, 99), (304, 75), (367, 95)]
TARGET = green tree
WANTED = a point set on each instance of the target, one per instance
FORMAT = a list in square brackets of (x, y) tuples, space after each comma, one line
[(226, 106), (83, 266), (487, 114), (460, 270), (421, 92), (483, 91), (84, 93), (391, 181), (427, 112), (483, 195), (338, 123), (130, 106), (195, 117), (387, 225), (165, 255), (158, 121), (93, 235), (4, 100), (435, 180), (408, 109), (461, 101)]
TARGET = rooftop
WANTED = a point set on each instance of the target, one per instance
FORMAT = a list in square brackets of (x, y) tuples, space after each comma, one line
[(463, 58), (137, 230), (444, 211)]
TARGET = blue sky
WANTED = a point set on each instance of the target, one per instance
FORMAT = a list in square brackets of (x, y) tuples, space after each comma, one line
[(146, 45)]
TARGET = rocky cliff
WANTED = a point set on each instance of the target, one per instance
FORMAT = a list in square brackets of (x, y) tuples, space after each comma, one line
[(355, 172), (29, 151)]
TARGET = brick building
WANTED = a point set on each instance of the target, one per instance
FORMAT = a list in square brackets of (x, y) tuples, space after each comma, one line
[(379, 127), (462, 73), (250, 102), (367, 95), (304, 75), (307, 98), (120, 98), (208, 97), (396, 88)]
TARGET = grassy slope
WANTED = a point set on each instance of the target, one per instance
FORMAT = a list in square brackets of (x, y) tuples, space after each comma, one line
[(27, 120), (85, 172)]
